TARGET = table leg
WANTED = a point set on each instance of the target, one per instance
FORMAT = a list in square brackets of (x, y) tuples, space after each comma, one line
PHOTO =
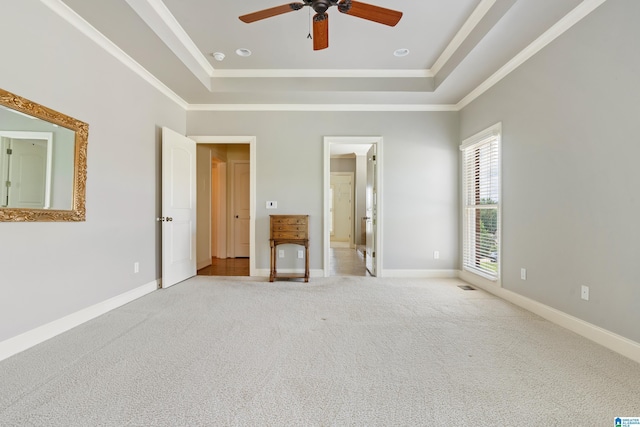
[(272, 274), (306, 262)]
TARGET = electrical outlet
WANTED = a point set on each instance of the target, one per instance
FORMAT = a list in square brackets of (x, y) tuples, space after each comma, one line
[(136, 267), (584, 293), (436, 254), (272, 205), (300, 254), (523, 273), (280, 253)]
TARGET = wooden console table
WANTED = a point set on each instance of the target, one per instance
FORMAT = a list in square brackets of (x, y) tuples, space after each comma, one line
[(292, 229)]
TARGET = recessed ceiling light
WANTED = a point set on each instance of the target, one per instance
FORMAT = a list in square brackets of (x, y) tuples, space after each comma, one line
[(218, 56), (401, 52), (243, 52)]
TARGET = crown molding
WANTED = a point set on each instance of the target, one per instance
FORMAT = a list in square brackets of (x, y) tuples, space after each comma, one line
[(325, 73), (321, 107), (69, 15), (474, 19), (159, 18), (560, 27)]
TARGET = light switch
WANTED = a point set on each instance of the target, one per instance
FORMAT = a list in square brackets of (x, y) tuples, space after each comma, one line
[(584, 293)]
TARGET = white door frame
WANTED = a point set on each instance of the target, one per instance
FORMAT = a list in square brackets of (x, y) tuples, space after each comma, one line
[(369, 140), (251, 140), (220, 227)]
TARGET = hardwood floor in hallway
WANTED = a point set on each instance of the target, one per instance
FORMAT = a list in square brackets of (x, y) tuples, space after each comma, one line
[(226, 267)]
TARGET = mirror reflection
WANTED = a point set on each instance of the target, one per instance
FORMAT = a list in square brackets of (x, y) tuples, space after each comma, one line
[(36, 163), (42, 162)]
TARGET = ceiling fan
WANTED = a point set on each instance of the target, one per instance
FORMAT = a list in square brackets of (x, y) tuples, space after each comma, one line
[(321, 19)]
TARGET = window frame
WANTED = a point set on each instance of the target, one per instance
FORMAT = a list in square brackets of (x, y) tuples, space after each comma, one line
[(487, 136)]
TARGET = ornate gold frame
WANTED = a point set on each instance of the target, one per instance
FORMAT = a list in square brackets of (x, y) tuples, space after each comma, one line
[(81, 129)]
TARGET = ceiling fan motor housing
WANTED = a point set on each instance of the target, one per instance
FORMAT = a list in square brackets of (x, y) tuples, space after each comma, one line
[(321, 6)]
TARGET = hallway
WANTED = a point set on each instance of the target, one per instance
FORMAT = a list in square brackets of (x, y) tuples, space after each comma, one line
[(346, 262)]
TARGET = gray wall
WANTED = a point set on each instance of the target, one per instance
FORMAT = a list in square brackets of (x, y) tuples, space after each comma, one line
[(50, 270), (570, 172), (420, 176)]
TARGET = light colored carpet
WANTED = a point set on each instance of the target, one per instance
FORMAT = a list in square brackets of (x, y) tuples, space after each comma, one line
[(341, 351)]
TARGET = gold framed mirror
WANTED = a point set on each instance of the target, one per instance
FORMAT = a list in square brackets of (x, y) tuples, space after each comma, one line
[(43, 162)]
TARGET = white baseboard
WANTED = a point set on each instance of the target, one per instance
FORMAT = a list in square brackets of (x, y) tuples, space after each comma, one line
[(42, 333), (435, 274), (605, 338)]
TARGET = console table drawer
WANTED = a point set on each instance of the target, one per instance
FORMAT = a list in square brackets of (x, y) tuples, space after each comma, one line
[(289, 234), (290, 220), (289, 227)]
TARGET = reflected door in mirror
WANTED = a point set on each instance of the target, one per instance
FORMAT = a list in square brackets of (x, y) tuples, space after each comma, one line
[(24, 173)]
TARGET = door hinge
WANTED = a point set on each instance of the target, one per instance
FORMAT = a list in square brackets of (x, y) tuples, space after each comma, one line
[(373, 254), (7, 184), (374, 157), (9, 151)]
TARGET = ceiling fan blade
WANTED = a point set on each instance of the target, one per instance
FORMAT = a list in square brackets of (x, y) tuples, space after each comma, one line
[(273, 11), (370, 12), (320, 31)]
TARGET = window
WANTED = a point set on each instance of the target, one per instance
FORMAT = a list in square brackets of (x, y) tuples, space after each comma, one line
[(481, 204)]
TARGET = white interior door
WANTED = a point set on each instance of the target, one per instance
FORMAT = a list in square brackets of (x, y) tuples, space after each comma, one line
[(371, 212), (28, 174), (241, 209), (25, 169), (178, 208), (342, 208)]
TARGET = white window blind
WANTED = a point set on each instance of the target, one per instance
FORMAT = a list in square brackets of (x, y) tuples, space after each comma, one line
[(481, 204)]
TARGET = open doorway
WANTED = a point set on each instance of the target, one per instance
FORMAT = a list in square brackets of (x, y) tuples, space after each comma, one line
[(226, 206), (352, 177)]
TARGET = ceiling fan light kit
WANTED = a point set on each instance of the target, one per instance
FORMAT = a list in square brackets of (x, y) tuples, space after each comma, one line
[(358, 9)]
